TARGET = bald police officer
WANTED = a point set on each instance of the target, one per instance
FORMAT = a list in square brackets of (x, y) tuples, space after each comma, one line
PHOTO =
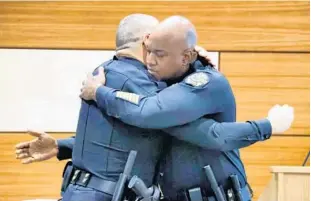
[(196, 92)]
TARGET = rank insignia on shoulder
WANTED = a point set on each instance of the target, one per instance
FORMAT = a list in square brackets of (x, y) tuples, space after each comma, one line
[(130, 97), (197, 79)]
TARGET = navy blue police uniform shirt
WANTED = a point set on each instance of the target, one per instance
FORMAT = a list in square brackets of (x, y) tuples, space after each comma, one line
[(205, 132), (204, 94), (102, 143), (208, 133)]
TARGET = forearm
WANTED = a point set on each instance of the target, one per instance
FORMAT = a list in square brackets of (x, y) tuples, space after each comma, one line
[(209, 134)]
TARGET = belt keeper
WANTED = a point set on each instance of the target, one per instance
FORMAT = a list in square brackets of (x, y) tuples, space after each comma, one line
[(195, 194), (86, 179), (75, 176)]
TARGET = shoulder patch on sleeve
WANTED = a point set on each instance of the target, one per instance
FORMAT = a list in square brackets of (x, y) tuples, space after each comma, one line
[(130, 97), (197, 79)]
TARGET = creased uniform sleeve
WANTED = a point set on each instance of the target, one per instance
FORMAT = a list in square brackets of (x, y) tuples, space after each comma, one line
[(226, 136), (180, 102), (175, 105)]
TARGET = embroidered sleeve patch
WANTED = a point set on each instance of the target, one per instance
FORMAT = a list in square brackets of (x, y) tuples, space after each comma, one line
[(197, 79), (130, 97)]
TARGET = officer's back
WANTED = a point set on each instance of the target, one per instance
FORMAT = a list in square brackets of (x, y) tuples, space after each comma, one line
[(103, 143)]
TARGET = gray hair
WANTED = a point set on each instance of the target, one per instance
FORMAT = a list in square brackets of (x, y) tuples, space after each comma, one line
[(133, 28), (182, 23)]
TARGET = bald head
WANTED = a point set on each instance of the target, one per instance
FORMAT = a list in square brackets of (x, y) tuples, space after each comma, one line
[(179, 28), (170, 48), (133, 28)]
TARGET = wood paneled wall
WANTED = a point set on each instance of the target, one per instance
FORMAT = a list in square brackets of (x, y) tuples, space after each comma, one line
[(20, 182), (264, 52), (261, 80), (236, 25)]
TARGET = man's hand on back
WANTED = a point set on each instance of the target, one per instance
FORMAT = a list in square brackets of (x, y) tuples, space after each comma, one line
[(90, 85), (42, 148)]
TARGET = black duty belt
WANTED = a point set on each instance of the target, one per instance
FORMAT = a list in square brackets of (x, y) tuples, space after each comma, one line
[(87, 179)]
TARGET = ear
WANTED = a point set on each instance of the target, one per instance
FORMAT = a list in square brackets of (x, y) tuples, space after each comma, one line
[(189, 57), (144, 52), (194, 56)]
